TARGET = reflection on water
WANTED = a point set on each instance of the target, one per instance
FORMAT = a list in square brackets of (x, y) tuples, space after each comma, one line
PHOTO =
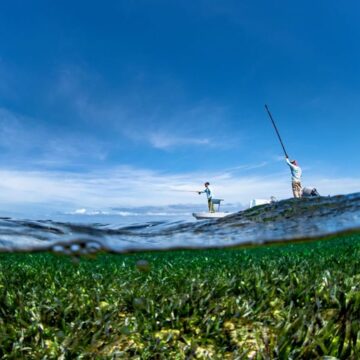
[(286, 220)]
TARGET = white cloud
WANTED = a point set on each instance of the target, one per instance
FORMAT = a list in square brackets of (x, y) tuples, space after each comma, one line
[(28, 141), (334, 186), (161, 127), (164, 141), (200, 125), (126, 186)]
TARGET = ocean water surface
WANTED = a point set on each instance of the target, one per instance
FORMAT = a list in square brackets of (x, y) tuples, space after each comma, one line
[(299, 301), (121, 231)]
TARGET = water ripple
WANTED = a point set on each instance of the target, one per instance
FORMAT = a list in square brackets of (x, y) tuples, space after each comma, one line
[(287, 220)]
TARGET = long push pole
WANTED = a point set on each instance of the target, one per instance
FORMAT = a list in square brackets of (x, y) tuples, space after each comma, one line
[(277, 131)]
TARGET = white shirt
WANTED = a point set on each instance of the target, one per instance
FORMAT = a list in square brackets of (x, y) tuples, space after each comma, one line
[(295, 171)]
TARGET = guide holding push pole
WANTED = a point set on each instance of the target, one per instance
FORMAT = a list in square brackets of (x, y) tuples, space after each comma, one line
[(295, 169)]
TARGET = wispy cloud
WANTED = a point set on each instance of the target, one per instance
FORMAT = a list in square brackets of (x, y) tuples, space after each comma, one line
[(25, 140), (166, 141), (247, 167), (200, 126), (159, 126), (126, 186)]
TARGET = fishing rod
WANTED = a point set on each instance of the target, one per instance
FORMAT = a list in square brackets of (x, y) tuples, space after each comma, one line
[(192, 191), (277, 131)]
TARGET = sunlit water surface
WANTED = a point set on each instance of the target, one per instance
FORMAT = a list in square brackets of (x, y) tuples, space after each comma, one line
[(286, 221)]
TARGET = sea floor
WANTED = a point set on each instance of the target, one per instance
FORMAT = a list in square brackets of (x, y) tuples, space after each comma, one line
[(293, 301)]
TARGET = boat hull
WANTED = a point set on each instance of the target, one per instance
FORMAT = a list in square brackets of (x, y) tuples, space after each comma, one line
[(208, 215)]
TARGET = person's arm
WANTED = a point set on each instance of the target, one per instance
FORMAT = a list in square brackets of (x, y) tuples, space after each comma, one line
[(289, 163)]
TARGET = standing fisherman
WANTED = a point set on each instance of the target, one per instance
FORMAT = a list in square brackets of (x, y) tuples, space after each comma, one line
[(209, 196), (295, 177), (294, 167)]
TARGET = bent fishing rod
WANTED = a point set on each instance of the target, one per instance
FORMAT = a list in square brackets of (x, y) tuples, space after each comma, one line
[(277, 131)]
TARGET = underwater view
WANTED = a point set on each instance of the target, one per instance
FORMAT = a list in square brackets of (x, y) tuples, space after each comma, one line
[(277, 281), (179, 180)]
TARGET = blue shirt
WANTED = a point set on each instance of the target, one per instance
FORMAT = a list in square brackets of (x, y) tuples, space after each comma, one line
[(208, 193)]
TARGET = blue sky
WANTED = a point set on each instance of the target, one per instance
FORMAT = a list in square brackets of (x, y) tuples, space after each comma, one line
[(112, 102)]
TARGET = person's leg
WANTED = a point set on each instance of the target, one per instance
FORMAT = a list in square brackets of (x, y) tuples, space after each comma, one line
[(297, 189), (209, 205)]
